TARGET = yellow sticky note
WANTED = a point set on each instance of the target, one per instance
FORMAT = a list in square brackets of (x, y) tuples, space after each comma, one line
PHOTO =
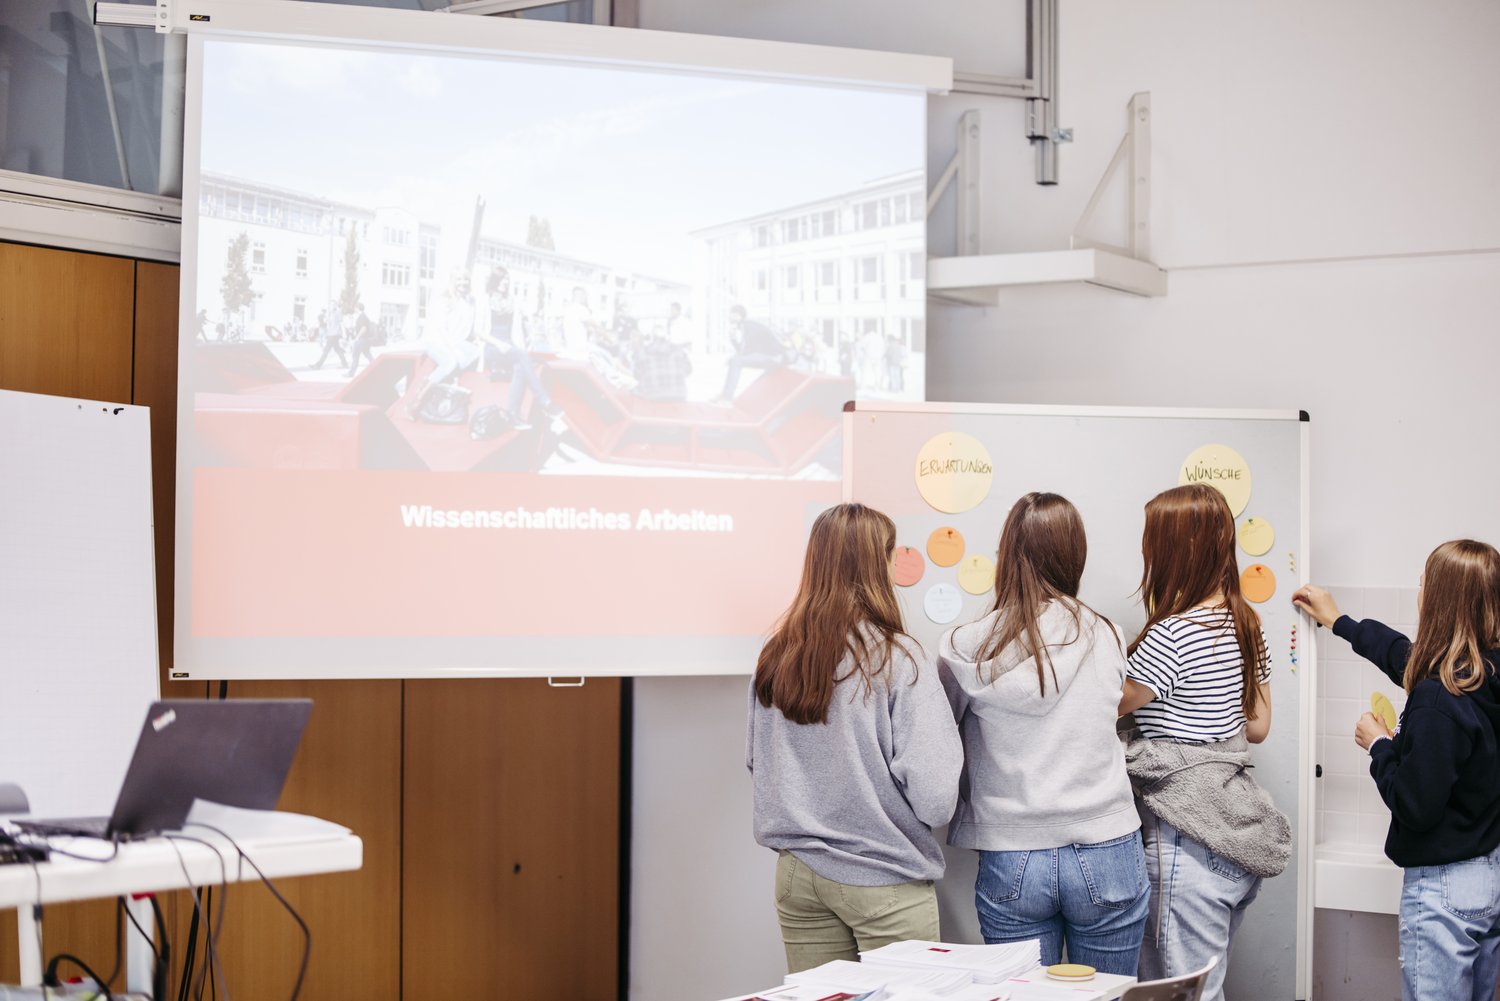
[(1222, 468), (954, 472), (1381, 707), (976, 574), (1257, 536)]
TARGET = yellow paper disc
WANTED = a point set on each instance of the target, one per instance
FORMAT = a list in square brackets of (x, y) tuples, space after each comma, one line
[(1257, 536), (1257, 583), (907, 566), (1222, 468), (1382, 707), (954, 472), (1070, 971), (976, 574), (945, 547)]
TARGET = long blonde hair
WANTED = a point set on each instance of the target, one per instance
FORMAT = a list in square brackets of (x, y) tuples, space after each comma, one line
[(1188, 547), (845, 606), (1460, 617)]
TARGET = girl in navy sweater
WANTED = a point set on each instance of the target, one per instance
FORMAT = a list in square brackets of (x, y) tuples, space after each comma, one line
[(1440, 771)]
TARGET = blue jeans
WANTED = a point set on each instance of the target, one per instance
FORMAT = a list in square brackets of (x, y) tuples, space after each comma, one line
[(1091, 897), (1197, 902), (1450, 930)]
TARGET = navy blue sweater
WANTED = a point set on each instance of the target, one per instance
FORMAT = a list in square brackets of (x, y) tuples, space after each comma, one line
[(1440, 774)]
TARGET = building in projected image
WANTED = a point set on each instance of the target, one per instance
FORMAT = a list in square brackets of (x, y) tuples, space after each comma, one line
[(843, 277), (296, 259)]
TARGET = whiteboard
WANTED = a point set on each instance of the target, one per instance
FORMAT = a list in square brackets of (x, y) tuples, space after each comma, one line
[(77, 597), (1109, 462)]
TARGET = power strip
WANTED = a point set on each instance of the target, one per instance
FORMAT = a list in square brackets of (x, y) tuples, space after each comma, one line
[(14, 851)]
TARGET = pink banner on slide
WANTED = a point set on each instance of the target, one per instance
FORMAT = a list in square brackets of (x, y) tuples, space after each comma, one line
[(400, 554)]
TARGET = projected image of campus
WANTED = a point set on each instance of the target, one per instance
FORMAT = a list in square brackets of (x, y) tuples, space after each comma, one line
[(452, 264)]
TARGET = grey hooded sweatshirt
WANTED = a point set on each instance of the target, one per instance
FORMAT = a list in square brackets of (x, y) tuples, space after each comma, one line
[(1040, 771), (857, 797)]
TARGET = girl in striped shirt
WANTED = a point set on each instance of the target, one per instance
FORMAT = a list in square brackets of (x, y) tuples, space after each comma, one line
[(1198, 684)]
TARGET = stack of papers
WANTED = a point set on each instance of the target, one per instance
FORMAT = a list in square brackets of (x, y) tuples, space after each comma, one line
[(857, 978), (984, 964)]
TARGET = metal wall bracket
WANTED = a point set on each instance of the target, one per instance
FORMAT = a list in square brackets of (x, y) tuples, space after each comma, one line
[(964, 168), (1133, 159)]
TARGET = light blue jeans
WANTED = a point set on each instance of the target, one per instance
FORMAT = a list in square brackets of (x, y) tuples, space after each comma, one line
[(1090, 897), (1197, 902), (1450, 930)]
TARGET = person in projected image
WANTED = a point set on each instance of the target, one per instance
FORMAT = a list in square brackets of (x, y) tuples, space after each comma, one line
[(366, 335), (755, 346), (578, 324), (662, 368), (449, 343), (496, 326), (331, 333)]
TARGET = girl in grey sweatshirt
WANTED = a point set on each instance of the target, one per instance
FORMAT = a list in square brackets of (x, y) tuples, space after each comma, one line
[(1035, 686), (852, 751)]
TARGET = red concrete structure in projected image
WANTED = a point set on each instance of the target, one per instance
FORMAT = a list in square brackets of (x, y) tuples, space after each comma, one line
[(250, 411)]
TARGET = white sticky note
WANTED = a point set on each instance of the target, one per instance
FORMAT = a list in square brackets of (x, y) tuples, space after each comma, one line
[(943, 603)]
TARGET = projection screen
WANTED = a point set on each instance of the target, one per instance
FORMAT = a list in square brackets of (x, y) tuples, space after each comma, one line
[(521, 349)]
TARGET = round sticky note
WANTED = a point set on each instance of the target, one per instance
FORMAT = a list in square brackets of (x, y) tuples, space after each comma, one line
[(907, 566), (1381, 706), (945, 547), (1222, 468), (1074, 972), (954, 472), (1257, 536), (1257, 583), (942, 603), (976, 574)]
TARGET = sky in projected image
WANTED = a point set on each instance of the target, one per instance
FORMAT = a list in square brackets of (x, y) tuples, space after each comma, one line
[(625, 164)]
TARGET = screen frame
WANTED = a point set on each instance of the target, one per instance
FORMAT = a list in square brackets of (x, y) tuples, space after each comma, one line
[(281, 21)]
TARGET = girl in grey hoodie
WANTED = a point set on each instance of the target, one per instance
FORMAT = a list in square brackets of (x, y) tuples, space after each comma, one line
[(1035, 685), (852, 752)]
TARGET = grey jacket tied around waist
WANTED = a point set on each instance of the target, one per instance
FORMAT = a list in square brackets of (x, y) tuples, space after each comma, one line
[(1206, 792)]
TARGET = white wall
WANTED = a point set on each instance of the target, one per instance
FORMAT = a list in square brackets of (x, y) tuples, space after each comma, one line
[(1284, 131)]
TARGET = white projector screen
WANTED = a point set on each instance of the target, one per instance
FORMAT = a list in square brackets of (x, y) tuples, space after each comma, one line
[(522, 366)]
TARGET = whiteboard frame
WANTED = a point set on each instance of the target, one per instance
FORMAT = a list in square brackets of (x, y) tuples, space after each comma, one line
[(1307, 680)]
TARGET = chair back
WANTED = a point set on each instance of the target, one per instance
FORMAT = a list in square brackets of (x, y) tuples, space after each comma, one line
[(1184, 988)]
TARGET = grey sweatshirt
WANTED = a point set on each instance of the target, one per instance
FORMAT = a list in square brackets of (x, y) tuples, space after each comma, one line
[(1040, 771), (1207, 793), (856, 798)]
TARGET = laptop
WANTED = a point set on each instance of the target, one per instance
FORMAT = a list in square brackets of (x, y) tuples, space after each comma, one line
[(235, 752)]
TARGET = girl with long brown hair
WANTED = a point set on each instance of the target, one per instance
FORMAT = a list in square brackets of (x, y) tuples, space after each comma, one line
[(1034, 685), (852, 751), (1440, 771), (1198, 685)]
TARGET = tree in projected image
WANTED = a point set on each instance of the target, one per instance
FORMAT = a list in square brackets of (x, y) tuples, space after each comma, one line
[(349, 298), (235, 287)]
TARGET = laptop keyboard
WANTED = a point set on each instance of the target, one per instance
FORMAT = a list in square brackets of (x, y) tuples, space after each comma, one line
[(78, 827)]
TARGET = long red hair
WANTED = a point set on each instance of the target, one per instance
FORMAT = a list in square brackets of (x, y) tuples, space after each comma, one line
[(845, 608), (1188, 548)]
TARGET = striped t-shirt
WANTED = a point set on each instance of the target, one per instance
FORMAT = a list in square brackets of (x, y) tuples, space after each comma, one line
[(1192, 662)]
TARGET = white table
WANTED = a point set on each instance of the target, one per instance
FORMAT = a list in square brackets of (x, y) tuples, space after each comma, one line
[(1104, 987), (155, 865)]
